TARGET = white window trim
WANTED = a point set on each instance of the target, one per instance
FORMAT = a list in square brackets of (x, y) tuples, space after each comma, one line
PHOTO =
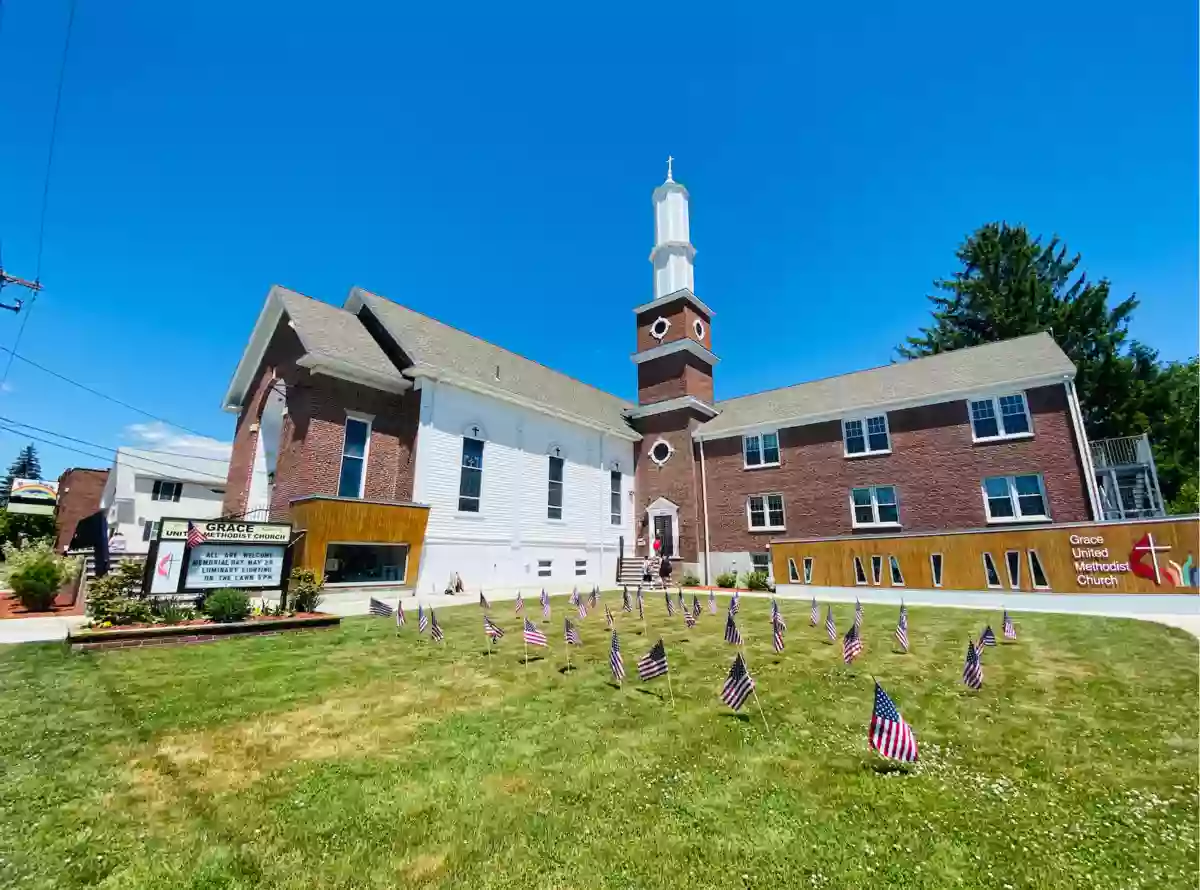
[(548, 568), (767, 513), (759, 435), (1014, 583), (1002, 436), (874, 507), (369, 420), (666, 326), (793, 572), (1015, 500), (893, 567), (698, 328), (469, 514), (862, 418), (161, 484), (670, 452), (808, 569), (1034, 555), (935, 576), (859, 572), (999, 585), (562, 509), (619, 516), (876, 569)]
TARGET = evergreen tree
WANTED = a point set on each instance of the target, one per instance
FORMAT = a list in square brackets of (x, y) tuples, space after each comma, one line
[(1011, 284), (26, 466)]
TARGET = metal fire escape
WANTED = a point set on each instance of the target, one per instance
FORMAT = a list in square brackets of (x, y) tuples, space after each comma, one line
[(1127, 478)]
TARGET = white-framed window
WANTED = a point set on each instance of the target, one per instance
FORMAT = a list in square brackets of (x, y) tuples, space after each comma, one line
[(1000, 417), (760, 450), (1036, 573), (897, 575), (935, 568), (876, 570), (165, 490), (581, 567), (860, 576), (470, 476), (764, 512), (866, 435), (698, 329), (150, 529), (554, 504), (614, 496), (793, 575), (874, 505), (990, 575), (661, 451), (1012, 561), (356, 445), (659, 328), (760, 562), (543, 568), (1015, 498), (808, 566)]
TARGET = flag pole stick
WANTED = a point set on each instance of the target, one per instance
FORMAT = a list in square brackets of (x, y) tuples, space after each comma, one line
[(669, 689), (760, 707), (526, 642)]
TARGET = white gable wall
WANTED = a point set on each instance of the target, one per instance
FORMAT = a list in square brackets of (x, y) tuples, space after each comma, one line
[(500, 547)]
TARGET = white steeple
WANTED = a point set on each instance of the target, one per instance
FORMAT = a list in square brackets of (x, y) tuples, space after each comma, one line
[(673, 253)]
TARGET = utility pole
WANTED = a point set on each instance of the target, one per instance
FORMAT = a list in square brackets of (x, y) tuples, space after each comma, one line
[(5, 278)]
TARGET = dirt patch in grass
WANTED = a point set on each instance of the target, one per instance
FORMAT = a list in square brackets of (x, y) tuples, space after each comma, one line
[(425, 866)]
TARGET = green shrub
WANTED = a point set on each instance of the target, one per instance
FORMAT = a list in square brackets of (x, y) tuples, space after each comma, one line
[(170, 611), (304, 590), (689, 580), (36, 572), (116, 598), (227, 604), (727, 579), (757, 581)]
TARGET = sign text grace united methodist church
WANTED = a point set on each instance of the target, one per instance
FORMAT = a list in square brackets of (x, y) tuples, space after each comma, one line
[(404, 449)]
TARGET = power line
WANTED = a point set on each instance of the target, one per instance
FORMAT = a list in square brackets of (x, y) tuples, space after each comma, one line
[(12, 354)]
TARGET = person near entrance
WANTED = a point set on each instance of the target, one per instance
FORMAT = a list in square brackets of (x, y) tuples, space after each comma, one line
[(646, 576), (664, 570)]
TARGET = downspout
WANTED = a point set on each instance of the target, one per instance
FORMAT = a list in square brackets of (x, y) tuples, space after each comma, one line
[(1085, 449), (704, 503)]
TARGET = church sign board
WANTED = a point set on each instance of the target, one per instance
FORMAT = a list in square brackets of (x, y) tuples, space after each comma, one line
[(1128, 557), (194, 555)]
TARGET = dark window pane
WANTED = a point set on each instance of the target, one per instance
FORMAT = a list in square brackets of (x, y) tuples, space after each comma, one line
[(1013, 560), (935, 563), (1035, 570), (350, 481), (855, 441), (876, 569), (358, 563), (473, 453), (877, 433), (470, 483), (793, 575), (889, 513), (556, 469), (808, 564), (897, 577), (356, 438), (770, 448), (860, 577), (863, 515), (989, 569), (753, 455), (775, 510), (1012, 408), (1032, 505)]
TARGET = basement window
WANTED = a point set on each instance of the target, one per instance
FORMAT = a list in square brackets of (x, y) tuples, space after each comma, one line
[(860, 576), (543, 568), (1012, 560), (991, 576), (793, 575), (935, 567), (808, 566)]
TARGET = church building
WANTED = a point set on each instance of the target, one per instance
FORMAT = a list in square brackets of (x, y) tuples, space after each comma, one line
[(403, 449)]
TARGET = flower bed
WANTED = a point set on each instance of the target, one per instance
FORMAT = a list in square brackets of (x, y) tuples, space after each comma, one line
[(129, 636)]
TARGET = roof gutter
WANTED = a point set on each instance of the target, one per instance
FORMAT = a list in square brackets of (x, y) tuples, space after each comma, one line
[(425, 373), (896, 405)]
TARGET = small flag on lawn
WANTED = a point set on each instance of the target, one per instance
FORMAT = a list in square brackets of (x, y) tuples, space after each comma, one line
[(695, 606), (973, 669), (712, 603), (830, 627), (851, 644), (679, 601), (399, 614), (545, 604), (732, 635), (533, 636), (608, 617), (988, 637), (641, 604), (520, 606), (777, 636), (483, 603), (491, 628), (435, 629), (422, 619), (654, 663), (571, 634), (614, 658), (733, 603), (670, 607), (594, 598), (738, 685), (574, 598), (1010, 632), (775, 616), (582, 609), (380, 609), (889, 734), (902, 628), (626, 605), (857, 611), (688, 618), (815, 615)]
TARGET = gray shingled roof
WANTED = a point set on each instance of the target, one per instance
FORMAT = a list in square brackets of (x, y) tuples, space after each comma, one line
[(1005, 363), (332, 333), (455, 356)]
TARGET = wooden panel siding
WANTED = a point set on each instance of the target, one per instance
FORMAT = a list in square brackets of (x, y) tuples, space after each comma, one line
[(1075, 558), (345, 520)]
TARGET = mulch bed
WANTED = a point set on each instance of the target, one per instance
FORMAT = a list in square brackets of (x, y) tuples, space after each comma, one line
[(10, 607)]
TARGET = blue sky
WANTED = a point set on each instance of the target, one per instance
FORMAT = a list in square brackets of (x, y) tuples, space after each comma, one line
[(493, 167)]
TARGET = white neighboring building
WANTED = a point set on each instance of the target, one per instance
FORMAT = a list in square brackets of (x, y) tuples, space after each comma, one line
[(145, 486)]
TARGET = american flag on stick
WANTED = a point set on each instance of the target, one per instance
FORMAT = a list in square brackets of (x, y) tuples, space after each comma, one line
[(973, 669), (857, 611), (520, 605), (491, 628), (814, 614), (195, 537), (851, 644), (738, 685), (1010, 632), (695, 606), (732, 634), (733, 603), (712, 603), (582, 609), (670, 607), (902, 628), (988, 637), (626, 605), (641, 605), (830, 627), (608, 617), (614, 658), (775, 614), (435, 629), (379, 609), (571, 633), (889, 734), (654, 663), (574, 598), (545, 604), (594, 598), (776, 635), (399, 614), (679, 601), (483, 603), (533, 636), (688, 618), (422, 619)]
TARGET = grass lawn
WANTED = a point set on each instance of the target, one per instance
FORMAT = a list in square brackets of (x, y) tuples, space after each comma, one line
[(354, 758)]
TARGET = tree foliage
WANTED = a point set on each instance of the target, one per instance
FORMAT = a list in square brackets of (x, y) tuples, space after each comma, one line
[(26, 466), (1012, 284)]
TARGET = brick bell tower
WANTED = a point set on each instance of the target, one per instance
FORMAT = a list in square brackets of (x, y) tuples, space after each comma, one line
[(675, 389)]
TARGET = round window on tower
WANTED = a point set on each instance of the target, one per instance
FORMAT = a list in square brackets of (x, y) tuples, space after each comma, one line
[(659, 329), (698, 327), (661, 451)]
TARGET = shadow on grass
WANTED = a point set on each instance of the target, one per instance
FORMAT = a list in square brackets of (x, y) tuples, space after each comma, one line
[(644, 691), (568, 668), (530, 659), (886, 767), (736, 715)]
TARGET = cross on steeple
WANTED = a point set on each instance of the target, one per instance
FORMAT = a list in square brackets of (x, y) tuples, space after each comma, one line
[(475, 431), (670, 160)]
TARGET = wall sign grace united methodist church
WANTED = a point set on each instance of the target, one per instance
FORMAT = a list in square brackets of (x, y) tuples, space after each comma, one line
[(197, 555)]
